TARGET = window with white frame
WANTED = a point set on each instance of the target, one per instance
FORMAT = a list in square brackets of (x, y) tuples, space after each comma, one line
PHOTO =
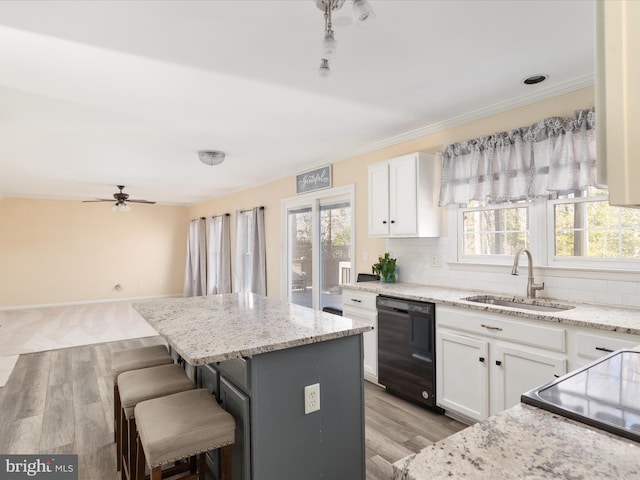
[(578, 229), (583, 226), (493, 230)]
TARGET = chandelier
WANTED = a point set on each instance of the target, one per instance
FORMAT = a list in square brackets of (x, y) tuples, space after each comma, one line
[(363, 14)]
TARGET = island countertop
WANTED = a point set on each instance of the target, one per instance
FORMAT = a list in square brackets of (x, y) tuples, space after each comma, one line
[(215, 328), (525, 442)]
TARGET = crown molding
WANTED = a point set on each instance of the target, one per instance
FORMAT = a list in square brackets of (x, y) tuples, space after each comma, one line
[(537, 96)]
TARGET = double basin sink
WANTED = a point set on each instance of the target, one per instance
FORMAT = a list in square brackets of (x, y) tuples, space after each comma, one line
[(517, 302)]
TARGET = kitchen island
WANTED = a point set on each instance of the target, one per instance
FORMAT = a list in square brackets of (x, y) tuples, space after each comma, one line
[(257, 355)]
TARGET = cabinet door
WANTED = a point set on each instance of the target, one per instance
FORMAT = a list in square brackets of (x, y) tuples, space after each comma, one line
[(403, 196), (379, 200), (462, 380), (370, 340), (237, 404), (518, 370)]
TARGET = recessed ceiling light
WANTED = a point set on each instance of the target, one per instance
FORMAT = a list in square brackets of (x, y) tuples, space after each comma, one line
[(533, 79)]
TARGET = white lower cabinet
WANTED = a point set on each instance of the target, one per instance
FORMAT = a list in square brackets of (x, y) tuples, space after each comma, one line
[(486, 361), (462, 380), (519, 370), (362, 306)]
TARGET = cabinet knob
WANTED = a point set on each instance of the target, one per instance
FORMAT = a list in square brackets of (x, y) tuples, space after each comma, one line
[(393, 221), (498, 362), (481, 359), (384, 222)]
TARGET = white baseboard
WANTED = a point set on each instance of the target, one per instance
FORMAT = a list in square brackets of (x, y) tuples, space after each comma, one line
[(88, 302)]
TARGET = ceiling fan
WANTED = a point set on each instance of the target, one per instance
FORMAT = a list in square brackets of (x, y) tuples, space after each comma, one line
[(121, 200)]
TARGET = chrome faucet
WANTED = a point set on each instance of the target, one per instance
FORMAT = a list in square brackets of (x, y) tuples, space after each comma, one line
[(532, 287)]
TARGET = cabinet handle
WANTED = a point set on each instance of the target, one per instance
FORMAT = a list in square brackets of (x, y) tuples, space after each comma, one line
[(356, 300), (498, 362), (603, 349), (489, 327), (384, 222), (481, 359), (557, 376)]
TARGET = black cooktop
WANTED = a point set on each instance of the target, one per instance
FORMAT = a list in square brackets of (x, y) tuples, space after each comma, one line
[(604, 394)]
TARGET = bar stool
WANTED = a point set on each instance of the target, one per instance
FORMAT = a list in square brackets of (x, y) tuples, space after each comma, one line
[(137, 386), (180, 426), (132, 359)]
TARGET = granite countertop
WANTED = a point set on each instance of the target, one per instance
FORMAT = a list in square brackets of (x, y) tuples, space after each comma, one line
[(619, 319), (220, 327), (525, 442)]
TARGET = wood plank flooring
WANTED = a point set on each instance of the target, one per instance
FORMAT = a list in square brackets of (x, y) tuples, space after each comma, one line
[(60, 402)]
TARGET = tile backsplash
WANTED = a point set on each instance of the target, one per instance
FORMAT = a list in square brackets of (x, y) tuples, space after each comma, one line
[(419, 260)]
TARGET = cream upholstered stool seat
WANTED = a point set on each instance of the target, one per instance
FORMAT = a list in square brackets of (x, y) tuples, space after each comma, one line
[(180, 426), (137, 386), (132, 359)]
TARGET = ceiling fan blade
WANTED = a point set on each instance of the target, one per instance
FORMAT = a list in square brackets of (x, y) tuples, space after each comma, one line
[(98, 200), (139, 201)]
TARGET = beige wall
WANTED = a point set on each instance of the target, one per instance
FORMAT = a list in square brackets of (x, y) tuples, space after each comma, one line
[(57, 251), (354, 171), (68, 251)]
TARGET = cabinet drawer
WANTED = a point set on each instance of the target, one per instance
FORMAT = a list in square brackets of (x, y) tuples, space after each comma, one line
[(237, 370), (595, 346), (354, 298), (498, 326)]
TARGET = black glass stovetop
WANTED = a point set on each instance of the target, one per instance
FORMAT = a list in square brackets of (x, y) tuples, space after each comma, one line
[(604, 394)]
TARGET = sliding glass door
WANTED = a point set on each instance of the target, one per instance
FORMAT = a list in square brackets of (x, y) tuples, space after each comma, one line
[(319, 247)]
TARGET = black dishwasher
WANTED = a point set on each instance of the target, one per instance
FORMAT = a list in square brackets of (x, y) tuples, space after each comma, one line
[(406, 349)]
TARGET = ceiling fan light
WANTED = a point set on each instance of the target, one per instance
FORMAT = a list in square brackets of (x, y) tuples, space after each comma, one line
[(211, 157), (324, 72), (329, 45), (363, 14), (124, 207)]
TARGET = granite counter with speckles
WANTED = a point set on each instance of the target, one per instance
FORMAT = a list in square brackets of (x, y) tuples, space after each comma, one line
[(221, 327), (525, 443), (619, 319)]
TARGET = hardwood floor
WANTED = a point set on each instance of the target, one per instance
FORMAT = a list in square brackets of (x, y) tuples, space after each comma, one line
[(60, 402)]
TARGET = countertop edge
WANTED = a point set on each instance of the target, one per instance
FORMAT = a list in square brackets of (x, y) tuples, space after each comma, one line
[(429, 293)]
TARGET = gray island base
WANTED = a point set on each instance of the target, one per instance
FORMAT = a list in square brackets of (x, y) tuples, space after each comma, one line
[(264, 391)]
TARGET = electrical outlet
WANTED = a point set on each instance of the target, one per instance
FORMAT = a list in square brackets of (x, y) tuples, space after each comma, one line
[(436, 260), (311, 398)]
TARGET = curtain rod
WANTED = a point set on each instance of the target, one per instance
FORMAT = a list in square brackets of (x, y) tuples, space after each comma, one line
[(249, 209), (213, 216)]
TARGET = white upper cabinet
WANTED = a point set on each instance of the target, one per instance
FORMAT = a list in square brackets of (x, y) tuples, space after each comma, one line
[(403, 197), (618, 99)]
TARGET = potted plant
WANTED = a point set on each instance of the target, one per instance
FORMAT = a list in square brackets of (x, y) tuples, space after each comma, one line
[(386, 268)]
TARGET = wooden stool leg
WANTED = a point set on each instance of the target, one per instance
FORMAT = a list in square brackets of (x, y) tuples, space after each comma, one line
[(140, 460), (124, 445), (133, 433), (202, 466), (225, 463), (156, 473), (116, 426)]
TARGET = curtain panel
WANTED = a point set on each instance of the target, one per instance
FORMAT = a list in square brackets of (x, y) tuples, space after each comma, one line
[(195, 277), (219, 255), (250, 273), (553, 155)]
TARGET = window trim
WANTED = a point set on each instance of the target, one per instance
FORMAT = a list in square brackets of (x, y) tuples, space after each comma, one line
[(541, 244)]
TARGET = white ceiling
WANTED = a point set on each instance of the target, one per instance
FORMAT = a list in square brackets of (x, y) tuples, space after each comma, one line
[(99, 93)]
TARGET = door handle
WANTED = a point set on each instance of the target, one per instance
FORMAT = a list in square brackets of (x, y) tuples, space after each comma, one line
[(603, 349)]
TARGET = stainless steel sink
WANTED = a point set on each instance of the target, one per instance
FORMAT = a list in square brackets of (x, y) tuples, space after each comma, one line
[(516, 302)]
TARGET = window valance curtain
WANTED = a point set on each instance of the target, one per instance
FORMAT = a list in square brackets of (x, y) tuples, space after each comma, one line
[(553, 155)]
